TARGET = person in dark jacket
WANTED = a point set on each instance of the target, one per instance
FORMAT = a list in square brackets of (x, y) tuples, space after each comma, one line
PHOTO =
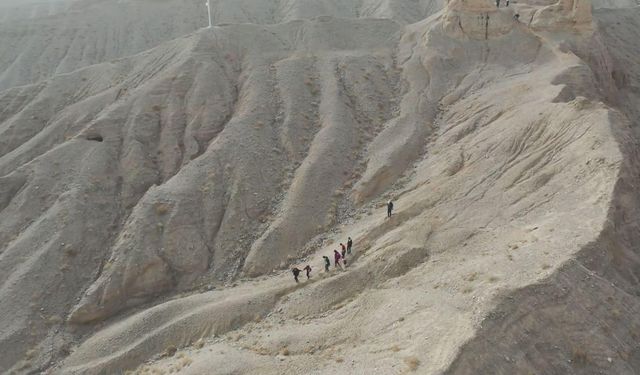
[(389, 208), (349, 245), (308, 270), (327, 263), (295, 272)]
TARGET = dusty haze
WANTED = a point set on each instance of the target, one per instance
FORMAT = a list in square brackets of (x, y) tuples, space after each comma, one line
[(159, 179)]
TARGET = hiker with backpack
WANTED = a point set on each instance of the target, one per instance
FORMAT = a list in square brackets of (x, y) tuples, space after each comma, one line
[(327, 263), (295, 272), (336, 258)]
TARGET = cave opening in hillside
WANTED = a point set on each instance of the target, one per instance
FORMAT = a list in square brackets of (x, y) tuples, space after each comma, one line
[(95, 138)]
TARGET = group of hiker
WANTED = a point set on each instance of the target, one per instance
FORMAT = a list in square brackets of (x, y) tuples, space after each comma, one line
[(515, 16), (296, 272), (339, 257)]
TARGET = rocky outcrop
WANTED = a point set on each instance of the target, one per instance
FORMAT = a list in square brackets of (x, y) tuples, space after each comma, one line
[(476, 19), (564, 15)]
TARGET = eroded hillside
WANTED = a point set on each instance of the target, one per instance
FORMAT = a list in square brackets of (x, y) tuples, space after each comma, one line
[(132, 188), (42, 38)]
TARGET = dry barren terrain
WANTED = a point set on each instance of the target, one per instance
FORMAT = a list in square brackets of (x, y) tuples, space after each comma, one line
[(159, 179)]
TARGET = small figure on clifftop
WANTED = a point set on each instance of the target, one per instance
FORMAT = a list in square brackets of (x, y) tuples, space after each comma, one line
[(327, 263), (389, 208), (308, 270), (295, 272), (349, 245)]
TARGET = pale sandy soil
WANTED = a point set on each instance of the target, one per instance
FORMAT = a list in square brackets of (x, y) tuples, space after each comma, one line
[(159, 181)]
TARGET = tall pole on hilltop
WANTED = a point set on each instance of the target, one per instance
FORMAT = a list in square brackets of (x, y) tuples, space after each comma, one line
[(209, 11)]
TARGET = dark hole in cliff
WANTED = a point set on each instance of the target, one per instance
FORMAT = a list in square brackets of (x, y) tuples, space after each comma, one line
[(95, 138)]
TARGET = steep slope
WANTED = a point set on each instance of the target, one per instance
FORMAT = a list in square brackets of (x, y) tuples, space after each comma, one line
[(77, 34), (598, 4), (174, 184), (132, 188), (42, 38), (30, 9), (500, 198), (584, 319)]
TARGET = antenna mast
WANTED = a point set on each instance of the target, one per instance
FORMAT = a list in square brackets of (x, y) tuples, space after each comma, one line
[(208, 3)]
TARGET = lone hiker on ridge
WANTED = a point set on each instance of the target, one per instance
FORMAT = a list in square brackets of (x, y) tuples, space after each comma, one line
[(349, 244), (327, 263), (295, 272), (389, 208)]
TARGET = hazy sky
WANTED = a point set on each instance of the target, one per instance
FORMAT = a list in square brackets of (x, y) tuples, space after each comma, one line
[(26, 2)]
